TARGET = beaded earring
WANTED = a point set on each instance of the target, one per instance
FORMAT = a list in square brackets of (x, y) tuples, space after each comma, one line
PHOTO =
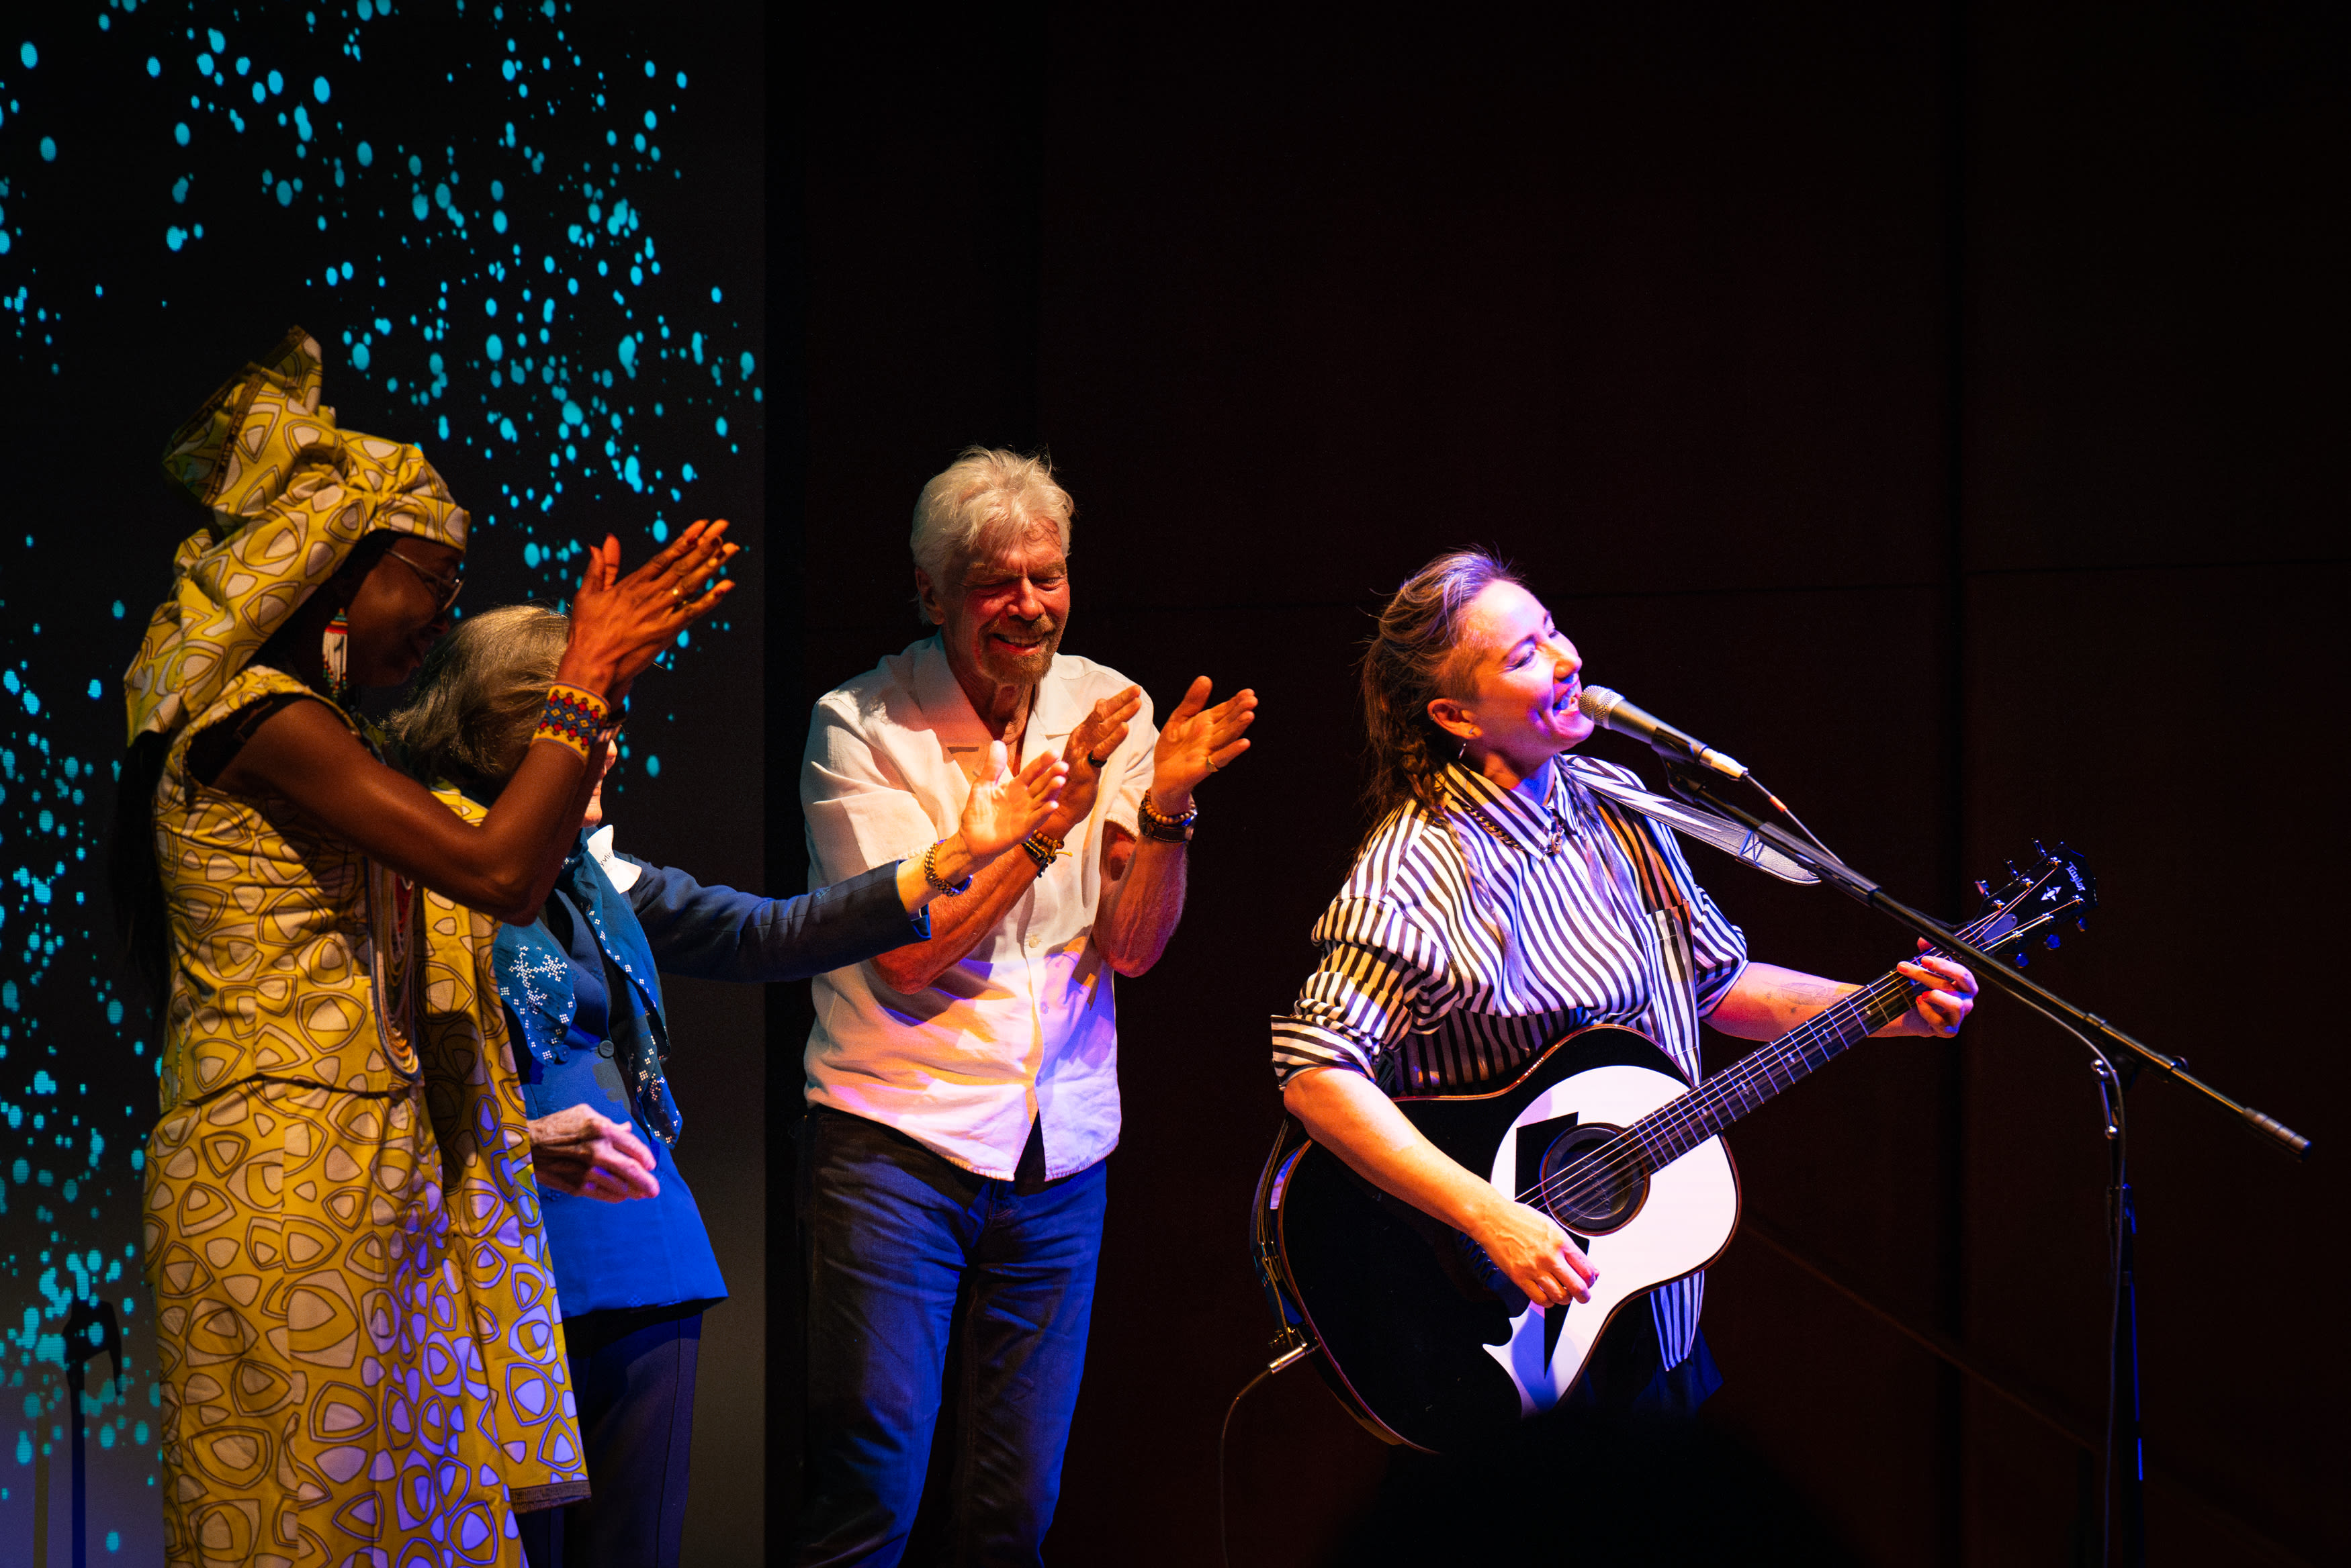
[(333, 656)]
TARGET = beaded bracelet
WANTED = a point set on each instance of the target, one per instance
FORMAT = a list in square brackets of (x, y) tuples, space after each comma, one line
[(1166, 829), (572, 717), (1043, 848), (939, 884)]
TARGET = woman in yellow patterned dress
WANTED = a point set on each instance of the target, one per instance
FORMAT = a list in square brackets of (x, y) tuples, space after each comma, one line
[(360, 1352)]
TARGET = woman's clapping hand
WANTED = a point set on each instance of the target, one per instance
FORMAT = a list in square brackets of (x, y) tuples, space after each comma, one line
[(620, 624)]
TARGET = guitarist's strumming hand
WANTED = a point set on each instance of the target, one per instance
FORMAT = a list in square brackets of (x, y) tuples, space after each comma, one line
[(1346, 1112), (1528, 1246)]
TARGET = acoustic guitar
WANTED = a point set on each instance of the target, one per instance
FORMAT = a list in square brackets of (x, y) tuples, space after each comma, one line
[(1422, 1337)]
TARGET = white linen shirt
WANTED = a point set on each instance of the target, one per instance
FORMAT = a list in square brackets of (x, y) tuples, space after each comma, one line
[(1026, 1026)]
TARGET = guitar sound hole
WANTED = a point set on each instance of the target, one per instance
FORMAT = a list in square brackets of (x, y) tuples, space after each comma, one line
[(1592, 1183)]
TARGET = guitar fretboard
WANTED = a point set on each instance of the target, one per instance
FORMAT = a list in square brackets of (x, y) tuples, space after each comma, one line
[(1683, 1123)]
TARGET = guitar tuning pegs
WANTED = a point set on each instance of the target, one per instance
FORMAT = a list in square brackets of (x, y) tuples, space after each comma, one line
[(2040, 850), (1983, 889), (2012, 871), (2023, 961), (2081, 925), (2052, 941)]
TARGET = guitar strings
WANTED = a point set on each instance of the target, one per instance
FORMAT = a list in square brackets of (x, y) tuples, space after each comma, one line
[(1682, 1123), (1625, 1156), (1610, 1166), (1873, 1006), (1877, 1004)]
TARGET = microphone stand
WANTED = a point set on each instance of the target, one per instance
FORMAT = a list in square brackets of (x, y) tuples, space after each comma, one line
[(81, 1348), (1699, 788), (2122, 1362), (2105, 1042)]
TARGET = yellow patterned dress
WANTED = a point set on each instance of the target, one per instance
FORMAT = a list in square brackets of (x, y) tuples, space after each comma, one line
[(361, 1355)]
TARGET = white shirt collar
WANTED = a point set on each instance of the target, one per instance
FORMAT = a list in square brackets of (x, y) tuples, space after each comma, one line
[(622, 873), (1056, 708)]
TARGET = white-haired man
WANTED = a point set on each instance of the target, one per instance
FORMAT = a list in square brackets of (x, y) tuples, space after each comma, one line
[(964, 1090)]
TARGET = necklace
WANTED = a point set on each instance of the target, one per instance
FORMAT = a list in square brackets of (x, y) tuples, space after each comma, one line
[(1561, 828)]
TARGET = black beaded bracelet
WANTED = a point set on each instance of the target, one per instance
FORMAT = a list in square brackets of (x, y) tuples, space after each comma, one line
[(1042, 849)]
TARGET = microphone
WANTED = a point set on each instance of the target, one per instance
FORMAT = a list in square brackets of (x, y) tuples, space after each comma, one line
[(1610, 710)]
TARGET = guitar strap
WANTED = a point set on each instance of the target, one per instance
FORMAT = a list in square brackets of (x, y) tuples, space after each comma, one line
[(1659, 891), (1670, 918), (1673, 1307)]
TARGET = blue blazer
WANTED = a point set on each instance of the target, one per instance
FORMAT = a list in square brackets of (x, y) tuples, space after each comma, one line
[(654, 1251)]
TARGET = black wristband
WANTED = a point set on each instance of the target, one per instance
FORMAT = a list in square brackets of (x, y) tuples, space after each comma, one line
[(1166, 830)]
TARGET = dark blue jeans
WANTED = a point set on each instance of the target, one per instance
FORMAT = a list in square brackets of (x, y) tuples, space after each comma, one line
[(894, 1235)]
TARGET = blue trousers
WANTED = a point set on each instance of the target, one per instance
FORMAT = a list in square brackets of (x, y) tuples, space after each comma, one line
[(908, 1254), (632, 1372)]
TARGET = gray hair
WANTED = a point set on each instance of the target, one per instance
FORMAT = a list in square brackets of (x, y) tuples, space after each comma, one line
[(985, 499), (478, 697)]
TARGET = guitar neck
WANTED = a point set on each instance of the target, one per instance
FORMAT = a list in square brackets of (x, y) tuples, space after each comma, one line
[(1680, 1124)]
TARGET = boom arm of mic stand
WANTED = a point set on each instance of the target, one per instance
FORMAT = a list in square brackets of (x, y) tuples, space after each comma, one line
[(1696, 785)]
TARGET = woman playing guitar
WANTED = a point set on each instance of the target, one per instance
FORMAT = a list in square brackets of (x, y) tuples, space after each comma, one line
[(1496, 905)]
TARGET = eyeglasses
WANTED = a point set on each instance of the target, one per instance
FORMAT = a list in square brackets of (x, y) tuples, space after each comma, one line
[(447, 588)]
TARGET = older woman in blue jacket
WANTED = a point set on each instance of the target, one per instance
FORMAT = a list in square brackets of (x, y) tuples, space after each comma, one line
[(633, 1264)]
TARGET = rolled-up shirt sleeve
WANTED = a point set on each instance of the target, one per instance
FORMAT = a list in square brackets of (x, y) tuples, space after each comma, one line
[(861, 814), (1370, 991)]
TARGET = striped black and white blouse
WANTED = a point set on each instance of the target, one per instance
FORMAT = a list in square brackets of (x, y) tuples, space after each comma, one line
[(1418, 991)]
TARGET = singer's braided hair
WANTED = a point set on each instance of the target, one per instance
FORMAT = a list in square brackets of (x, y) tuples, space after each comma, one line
[(1413, 658)]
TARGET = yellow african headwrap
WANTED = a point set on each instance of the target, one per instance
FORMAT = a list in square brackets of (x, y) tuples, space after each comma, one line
[(289, 495)]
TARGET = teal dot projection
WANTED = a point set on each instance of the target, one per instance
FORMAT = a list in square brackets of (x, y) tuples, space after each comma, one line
[(551, 342), (74, 1156), (495, 271)]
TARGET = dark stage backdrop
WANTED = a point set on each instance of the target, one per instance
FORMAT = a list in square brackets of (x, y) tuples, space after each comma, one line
[(529, 236), (1935, 406)]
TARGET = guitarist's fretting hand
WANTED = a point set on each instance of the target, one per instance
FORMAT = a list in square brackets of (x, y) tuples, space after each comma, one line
[(1939, 1008), (1768, 1001)]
